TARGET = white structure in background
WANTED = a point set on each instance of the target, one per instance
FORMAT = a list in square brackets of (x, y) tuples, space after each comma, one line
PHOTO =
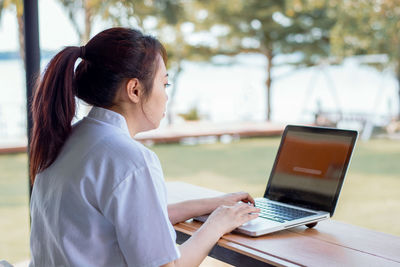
[(367, 119)]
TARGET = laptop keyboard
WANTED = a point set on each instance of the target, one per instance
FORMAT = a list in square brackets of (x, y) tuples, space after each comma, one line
[(280, 213)]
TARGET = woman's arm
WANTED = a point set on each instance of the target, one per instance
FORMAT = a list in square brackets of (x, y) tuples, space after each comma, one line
[(182, 211), (223, 220)]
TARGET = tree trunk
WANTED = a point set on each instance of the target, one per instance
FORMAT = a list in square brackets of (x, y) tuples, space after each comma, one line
[(88, 24), (398, 82), (21, 38), (269, 55), (173, 93), (75, 24)]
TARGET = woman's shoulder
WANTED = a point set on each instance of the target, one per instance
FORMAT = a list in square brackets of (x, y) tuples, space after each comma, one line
[(125, 148), (109, 142)]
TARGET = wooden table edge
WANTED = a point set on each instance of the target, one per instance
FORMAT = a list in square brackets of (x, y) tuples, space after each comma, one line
[(260, 256)]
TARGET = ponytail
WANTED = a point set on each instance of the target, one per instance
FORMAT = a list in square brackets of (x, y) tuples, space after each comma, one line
[(53, 109)]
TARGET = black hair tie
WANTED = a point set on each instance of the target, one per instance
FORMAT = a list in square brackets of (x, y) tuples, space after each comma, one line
[(82, 54)]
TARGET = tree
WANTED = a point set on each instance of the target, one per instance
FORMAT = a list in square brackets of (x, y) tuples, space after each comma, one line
[(86, 11), (173, 16), (367, 27), (169, 16), (167, 19), (18, 8), (274, 27)]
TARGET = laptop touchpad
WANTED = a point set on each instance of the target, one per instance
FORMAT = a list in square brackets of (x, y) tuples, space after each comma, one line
[(259, 222)]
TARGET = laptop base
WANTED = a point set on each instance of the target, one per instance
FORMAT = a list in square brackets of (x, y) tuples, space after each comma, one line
[(311, 225)]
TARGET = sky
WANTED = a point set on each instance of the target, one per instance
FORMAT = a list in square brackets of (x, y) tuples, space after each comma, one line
[(55, 30)]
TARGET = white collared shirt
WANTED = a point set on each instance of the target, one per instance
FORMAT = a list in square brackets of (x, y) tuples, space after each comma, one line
[(102, 202)]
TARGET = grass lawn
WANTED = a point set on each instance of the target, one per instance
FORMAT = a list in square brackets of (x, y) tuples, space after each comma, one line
[(370, 196), (14, 210)]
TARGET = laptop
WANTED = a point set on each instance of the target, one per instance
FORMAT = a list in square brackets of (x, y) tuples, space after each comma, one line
[(305, 181)]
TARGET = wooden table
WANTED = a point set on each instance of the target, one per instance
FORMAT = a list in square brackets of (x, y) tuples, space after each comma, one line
[(330, 243)]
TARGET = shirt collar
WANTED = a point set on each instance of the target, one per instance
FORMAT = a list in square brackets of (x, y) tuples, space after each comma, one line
[(109, 117)]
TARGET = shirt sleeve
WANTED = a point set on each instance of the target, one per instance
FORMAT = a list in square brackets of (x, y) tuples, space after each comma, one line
[(138, 210)]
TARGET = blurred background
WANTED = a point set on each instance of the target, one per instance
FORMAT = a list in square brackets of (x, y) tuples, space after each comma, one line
[(240, 71)]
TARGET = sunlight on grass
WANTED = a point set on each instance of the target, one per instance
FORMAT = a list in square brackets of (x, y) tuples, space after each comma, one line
[(371, 201), (14, 210)]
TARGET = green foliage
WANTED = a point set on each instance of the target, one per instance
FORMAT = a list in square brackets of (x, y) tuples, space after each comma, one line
[(88, 10), (171, 21), (368, 27), (1, 7), (275, 27), (191, 115)]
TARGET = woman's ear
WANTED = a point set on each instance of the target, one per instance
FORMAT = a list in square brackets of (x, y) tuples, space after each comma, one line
[(134, 90)]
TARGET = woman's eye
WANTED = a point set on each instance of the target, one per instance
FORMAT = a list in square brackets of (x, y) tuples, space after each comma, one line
[(167, 85)]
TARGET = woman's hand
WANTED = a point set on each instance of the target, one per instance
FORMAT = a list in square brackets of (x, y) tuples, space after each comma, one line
[(229, 215), (181, 211), (232, 198), (226, 218)]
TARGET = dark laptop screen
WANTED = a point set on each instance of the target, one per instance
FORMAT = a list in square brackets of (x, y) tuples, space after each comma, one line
[(310, 167)]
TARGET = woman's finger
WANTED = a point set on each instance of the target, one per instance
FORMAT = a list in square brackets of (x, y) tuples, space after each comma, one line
[(246, 208), (250, 199), (245, 197)]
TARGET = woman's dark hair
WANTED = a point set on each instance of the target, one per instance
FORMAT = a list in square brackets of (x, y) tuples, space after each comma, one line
[(109, 59)]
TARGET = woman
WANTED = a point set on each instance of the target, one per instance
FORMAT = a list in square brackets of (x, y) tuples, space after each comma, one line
[(99, 196)]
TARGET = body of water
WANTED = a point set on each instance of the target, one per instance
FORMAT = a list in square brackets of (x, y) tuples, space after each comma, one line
[(234, 90)]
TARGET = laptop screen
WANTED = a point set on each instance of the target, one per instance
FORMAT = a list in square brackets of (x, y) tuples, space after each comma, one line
[(310, 167)]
